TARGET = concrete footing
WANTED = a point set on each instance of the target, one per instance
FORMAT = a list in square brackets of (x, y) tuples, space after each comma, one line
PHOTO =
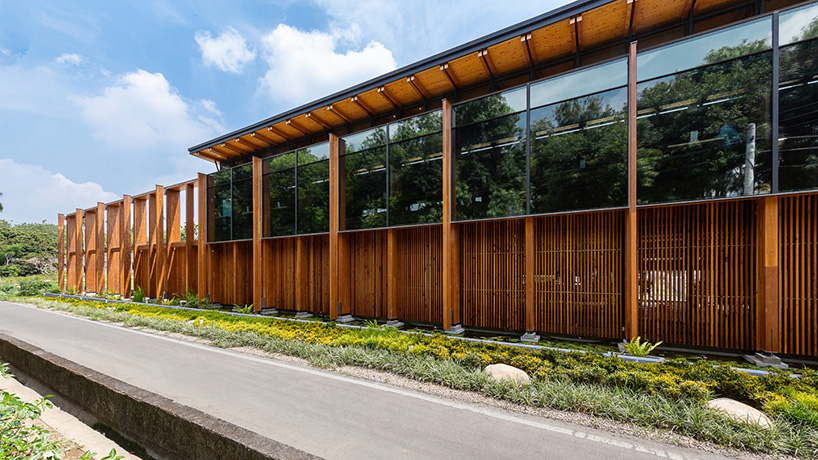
[(456, 329), (761, 359), (530, 336), (269, 311), (303, 315), (394, 323), (345, 319)]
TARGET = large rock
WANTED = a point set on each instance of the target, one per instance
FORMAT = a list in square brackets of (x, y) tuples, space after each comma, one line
[(506, 372), (740, 411)]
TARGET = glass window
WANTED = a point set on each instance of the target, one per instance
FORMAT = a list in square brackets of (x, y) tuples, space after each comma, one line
[(279, 183), (579, 153), (363, 168), (798, 107), (797, 25), (579, 83), (242, 202), (490, 164), (718, 46), (692, 130), (220, 205), (492, 106), (313, 189), (416, 170)]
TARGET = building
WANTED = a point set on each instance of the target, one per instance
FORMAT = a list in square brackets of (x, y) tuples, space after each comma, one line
[(605, 170)]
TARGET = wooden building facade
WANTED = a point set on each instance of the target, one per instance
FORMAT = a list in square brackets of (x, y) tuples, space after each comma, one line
[(606, 170)]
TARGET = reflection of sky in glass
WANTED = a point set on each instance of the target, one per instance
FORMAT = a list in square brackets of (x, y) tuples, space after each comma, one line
[(579, 83), (515, 99), (791, 24), (691, 53), (395, 127), (315, 152), (355, 141)]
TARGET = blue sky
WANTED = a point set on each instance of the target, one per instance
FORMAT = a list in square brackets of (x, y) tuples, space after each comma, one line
[(102, 98)]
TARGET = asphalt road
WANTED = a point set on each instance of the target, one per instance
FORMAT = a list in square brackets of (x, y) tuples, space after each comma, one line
[(319, 412)]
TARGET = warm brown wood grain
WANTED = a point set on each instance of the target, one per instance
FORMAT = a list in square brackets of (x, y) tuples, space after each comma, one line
[(529, 274), (258, 265), (334, 287), (419, 279), (451, 245), (61, 256), (767, 321), (190, 238), (631, 219), (393, 270), (203, 248), (114, 247)]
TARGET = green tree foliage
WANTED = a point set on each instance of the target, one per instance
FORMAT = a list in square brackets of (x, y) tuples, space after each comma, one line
[(365, 185), (27, 249), (1, 204)]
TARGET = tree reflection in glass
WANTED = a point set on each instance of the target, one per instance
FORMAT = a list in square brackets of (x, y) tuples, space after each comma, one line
[(364, 170), (219, 202), (242, 202), (416, 170), (313, 189), (280, 199)]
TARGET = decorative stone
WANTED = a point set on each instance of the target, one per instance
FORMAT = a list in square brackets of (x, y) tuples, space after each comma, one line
[(740, 411), (505, 372)]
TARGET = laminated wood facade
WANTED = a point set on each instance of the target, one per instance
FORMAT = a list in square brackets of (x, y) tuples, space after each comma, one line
[(606, 170)]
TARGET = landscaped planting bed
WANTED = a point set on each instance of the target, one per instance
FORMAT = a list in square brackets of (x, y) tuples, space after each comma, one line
[(669, 395)]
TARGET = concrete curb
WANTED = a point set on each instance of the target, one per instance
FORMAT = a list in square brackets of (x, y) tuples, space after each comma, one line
[(172, 430)]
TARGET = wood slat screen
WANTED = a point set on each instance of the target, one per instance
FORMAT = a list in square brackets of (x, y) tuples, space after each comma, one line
[(697, 266), (419, 277), (798, 274), (231, 273), (73, 276), (492, 278), (316, 291), (177, 263), (368, 274), (281, 288), (578, 274), (279, 273), (141, 271)]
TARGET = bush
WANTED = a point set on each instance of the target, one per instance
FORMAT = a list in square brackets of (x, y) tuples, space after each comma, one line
[(32, 287), (138, 294)]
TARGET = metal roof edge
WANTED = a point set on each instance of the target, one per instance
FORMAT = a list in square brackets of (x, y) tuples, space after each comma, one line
[(550, 17)]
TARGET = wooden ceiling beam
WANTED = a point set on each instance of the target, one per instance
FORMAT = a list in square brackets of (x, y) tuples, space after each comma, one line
[(245, 143), (264, 138), (338, 113), (529, 51), (227, 146), (688, 9), (213, 154), (488, 64), (279, 133), (577, 21), (419, 88), (391, 99), (630, 29), (451, 76), (312, 116), (297, 126), (363, 105)]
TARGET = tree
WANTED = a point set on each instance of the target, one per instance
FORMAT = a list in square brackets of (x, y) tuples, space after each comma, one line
[(1, 204), (27, 249)]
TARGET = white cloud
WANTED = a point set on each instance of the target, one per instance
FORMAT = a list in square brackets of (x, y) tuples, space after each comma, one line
[(69, 59), (228, 51), (142, 111), (308, 65), (31, 193)]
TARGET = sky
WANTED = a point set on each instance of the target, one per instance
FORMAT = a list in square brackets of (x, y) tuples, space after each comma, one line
[(100, 98)]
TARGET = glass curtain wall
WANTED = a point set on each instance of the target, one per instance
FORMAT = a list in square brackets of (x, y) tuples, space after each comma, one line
[(798, 99), (393, 174), (704, 116), (579, 139), (230, 202), (296, 192)]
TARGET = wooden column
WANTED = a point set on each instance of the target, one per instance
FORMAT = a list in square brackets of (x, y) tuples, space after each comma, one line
[(190, 255), (258, 223), (203, 250), (392, 273), (78, 244), (174, 235), (451, 240), (114, 247), (157, 242), (61, 252), (92, 251), (99, 234), (125, 247), (334, 218), (631, 256), (141, 263), (768, 333), (530, 257)]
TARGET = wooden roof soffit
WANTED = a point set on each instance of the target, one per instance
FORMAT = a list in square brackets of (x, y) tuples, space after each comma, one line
[(451, 76), (213, 154), (279, 133), (418, 86), (389, 98), (312, 116), (576, 21), (529, 51), (247, 144), (263, 137), (297, 126), (488, 64), (688, 9), (363, 105), (338, 113), (232, 148)]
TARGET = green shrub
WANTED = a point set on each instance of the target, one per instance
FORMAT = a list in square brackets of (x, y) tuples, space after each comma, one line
[(638, 348), (19, 436), (138, 294), (32, 287)]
